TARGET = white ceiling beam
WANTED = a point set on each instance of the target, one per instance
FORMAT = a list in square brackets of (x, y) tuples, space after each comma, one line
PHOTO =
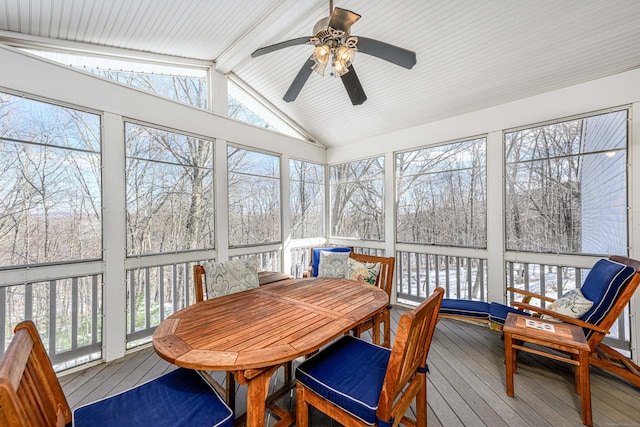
[(271, 28), (27, 41)]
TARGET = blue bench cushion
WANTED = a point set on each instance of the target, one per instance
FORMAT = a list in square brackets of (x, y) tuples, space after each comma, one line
[(463, 307), (498, 312), (602, 285), (349, 373), (179, 398), (315, 257)]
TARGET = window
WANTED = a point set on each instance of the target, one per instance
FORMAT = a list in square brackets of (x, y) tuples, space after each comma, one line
[(254, 197), (566, 186), (189, 90), (307, 199), (187, 85), (357, 199), (244, 107), (50, 201), (442, 194), (169, 190)]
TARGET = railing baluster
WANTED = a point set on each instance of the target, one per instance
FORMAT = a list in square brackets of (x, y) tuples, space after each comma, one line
[(52, 317), (187, 287), (94, 309), (428, 276), (28, 301), (74, 312), (147, 298), (419, 290), (132, 301), (483, 282), (174, 288), (3, 318), (458, 284), (543, 282), (510, 278), (161, 292)]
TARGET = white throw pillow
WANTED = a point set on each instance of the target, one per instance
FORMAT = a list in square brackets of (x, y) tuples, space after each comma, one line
[(333, 264), (366, 272), (571, 304), (231, 276)]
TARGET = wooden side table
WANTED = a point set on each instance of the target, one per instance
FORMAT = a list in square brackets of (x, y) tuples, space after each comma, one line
[(563, 337)]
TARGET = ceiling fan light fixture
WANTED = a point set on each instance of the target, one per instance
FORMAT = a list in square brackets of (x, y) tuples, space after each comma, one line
[(342, 60), (321, 55)]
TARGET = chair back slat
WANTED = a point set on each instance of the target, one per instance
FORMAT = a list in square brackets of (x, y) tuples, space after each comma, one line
[(410, 350), (30, 393), (198, 273)]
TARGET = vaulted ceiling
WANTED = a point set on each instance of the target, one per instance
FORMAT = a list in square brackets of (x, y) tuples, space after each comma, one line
[(471, 54)]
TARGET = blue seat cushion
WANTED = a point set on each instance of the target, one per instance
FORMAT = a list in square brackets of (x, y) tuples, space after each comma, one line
[(179, 398), (315, 257), (463, 307), (349, 373), (498, 312), (603, 285)]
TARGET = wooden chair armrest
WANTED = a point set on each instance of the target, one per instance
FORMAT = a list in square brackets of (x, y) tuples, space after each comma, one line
[(530, 294), (308, 273), (559, 316)]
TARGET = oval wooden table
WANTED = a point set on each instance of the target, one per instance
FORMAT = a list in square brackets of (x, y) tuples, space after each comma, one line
[(253, 332)]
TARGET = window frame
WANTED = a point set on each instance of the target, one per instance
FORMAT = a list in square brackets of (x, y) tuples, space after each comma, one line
[(627, 108)]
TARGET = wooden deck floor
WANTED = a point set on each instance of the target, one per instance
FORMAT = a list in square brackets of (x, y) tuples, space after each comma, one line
[(466, 384)]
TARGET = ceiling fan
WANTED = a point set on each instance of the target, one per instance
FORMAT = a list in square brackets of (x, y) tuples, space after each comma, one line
[(332, 40)]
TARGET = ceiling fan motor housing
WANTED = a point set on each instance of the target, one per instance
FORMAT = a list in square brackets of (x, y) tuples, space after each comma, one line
[(324, 34)]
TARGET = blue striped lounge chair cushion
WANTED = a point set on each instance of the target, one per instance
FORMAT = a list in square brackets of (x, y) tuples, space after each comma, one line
[(463, 307), (498, 312)]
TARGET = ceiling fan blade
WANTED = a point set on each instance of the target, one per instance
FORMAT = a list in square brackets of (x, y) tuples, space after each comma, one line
[(299, 81), (397, 55), (342, 19), (353, 86), (281, 45)]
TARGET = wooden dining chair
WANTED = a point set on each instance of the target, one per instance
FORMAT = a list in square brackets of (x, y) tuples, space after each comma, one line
[(383, 281), (31, 395), (200, 292), (361, 384), (229, 389)]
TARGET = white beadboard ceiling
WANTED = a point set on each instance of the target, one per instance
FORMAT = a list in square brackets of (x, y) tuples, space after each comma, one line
[(471, 54)]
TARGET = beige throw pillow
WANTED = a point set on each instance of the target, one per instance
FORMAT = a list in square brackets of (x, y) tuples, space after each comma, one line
[(571, 304), (236, 275), (333, 264), (363, 271)]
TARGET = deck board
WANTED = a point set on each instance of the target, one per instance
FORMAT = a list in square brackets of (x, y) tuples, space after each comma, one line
[(466, 384)]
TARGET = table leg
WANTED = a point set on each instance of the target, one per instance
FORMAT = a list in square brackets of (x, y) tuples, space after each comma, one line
[(257, 392), (509, 360), (585, 387)]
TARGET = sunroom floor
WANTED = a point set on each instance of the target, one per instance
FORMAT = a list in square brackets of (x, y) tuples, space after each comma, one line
[(466, 384)]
